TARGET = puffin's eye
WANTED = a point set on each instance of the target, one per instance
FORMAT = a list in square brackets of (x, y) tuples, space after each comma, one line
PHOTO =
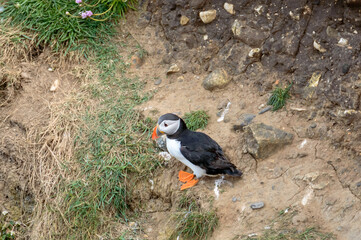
[(165, 125)]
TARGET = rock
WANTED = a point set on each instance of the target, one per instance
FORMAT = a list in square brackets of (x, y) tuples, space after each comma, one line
[(266, 109), (226, 119), (345, 68), (246, 34), (234, 199), (331, 32), (262, 140), (255, 53), (217, 79), (173, 69), (184, 20), (342, 42), (196, 4), (246, 118), (25, 75), (50, 69), (54, 86), (158, 81), (229, 8), (318, 46), (136, 61), (358, 184), (208, 16), (257, 205)]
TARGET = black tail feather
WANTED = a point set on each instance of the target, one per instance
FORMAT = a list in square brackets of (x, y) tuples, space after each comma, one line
[(233, 172)]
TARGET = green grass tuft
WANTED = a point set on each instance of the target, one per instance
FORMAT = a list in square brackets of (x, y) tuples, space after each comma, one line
[(192, 221), (52, 26), (279, 97), (196, 120)]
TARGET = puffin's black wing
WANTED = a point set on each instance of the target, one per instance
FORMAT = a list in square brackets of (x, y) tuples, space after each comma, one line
[(203, 151)]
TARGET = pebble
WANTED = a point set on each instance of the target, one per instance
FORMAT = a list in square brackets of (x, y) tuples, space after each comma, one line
[(184, 20), (358, 184), (313, 125), (2, 9), (261, 106), (158, 81), (257, 205), (25, 75), (266, 109), (229, 8), (234, 199), (345, 68), (208, 16), (173, 69), (247, 118), (50, 69)]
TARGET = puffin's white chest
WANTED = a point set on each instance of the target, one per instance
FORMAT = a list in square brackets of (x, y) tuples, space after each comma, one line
[(173, 147)]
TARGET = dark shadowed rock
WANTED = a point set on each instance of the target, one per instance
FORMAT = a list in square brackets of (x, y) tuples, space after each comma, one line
[(263, 140)]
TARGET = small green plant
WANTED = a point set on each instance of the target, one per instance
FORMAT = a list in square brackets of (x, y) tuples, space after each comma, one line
[(279, 97), (6, 227), (196, 120)]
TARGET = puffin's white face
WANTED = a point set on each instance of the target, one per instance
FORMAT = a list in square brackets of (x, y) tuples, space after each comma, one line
[(169, 127)]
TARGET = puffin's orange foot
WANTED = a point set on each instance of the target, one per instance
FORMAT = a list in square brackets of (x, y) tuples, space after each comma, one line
[(184, 176), (189, 184)]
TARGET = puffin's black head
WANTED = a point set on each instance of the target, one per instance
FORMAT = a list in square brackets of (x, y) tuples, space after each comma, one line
[(169, 124)]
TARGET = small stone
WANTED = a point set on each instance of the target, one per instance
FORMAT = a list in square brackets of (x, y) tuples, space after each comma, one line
[(132, 224), (345, 68), (158, 81), (342, 42), (2, 9), (25, 75), (208, 16), (184, 20), (136, 61), (246, 118), (331, 32), (358, 184), (234, 199), (50, 69), (266, 109), (257, 205), (312, 176), (261, 106), (54, 86), (318, 46), (180, 79), (313, 125), (217, 79), (255, 53), (229, 8), (173, 69)]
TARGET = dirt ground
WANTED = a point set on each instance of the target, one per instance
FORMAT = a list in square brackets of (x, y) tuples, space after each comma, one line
[(316, 179)]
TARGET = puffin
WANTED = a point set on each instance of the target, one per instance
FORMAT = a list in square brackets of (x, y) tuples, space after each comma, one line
[(196, 150)]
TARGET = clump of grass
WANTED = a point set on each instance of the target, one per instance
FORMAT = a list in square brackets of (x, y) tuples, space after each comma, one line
[(53, 26), (279, 97), (192, 221), (196, 120), (285, 234), (112, 148)]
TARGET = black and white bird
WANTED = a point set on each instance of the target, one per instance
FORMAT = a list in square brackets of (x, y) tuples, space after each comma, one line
[(194, 149)]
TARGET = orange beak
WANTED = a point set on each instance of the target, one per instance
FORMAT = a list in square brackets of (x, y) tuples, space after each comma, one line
[(155, 135)]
